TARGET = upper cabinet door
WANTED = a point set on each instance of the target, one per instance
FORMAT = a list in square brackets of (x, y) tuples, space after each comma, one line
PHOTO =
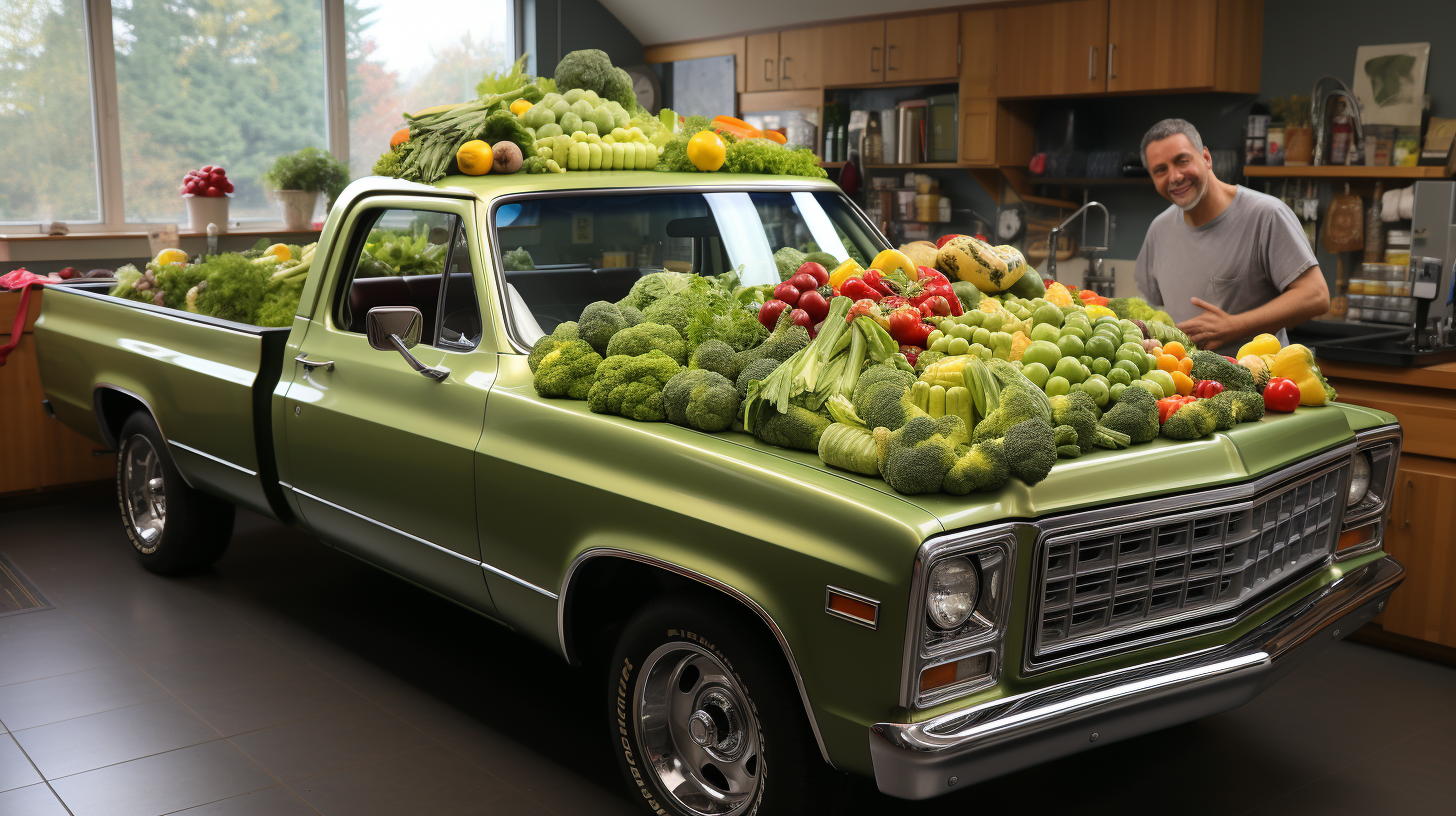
[(855, 53), (921, 47), (1161, 45), (763, 62), (801, 59), (1052, 49)]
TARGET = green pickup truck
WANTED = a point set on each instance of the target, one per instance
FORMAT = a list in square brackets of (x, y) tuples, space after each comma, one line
[(754, 617)]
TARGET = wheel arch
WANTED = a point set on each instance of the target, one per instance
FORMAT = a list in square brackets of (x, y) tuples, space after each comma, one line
[(114, 406), (599, 568)]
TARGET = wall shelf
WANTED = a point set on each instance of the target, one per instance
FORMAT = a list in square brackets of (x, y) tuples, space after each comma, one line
[(1131, 181), (1345, 172)]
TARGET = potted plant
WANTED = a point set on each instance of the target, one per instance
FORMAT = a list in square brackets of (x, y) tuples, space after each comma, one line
[(1298, 138), (207, 191), (298, 178)]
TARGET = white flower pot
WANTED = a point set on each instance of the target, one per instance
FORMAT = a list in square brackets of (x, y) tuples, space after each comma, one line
[(203, 210), (298, 208)]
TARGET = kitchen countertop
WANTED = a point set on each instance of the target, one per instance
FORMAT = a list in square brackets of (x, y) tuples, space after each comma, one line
[(1441, 376)]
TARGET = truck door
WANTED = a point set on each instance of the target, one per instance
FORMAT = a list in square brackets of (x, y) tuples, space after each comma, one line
[(381, 455)]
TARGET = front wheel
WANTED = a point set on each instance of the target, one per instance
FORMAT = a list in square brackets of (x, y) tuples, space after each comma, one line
[(173, 528), (704, 720)]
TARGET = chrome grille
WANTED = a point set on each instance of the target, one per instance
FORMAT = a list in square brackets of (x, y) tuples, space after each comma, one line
[(1123, 583)]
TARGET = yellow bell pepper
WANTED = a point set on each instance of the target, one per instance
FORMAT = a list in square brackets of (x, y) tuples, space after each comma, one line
[(1057, 294), (1095, 312), (1263, 344), (520, 106), (890, 260), (1296, 362), (845, 271)]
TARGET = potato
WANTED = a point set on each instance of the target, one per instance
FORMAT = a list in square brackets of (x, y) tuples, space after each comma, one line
[(507, 158)]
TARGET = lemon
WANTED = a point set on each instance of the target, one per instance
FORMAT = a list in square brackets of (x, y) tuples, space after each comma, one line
[(170, 256), (475, 158), (279, 251), (706, 151)]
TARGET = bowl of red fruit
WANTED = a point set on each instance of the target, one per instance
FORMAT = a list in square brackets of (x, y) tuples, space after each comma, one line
[(206, 191)]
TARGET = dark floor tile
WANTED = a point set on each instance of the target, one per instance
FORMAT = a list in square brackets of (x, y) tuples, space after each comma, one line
[(95, 741), (49, 643), (35, 800), (317, 745), (163, 783), (545, 780), (15, 770), (267, 703), (215, 668), (431, 780), (276, 801), (38, 702)]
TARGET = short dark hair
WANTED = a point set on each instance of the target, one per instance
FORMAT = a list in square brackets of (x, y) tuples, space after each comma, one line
[(1167, 128)]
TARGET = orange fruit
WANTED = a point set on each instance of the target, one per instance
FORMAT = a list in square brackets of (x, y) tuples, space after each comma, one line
[(1176, 349), (1185, 365)]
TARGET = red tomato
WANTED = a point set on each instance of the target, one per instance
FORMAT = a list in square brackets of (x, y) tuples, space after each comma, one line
[(1282, 395), (906, 327), (207, 168), (945, 239), (858, 290), (787, 292), (937, 304), (802, 318), (768, 313), (227, 186), (804, 282), (815, 304), (819, 273)]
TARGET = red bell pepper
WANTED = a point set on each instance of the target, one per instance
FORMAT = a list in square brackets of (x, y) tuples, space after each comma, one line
[(857, 289), (1169, 406), (1204, 389), (894, 302), (930, 276), (877, 282), (1281, 394)]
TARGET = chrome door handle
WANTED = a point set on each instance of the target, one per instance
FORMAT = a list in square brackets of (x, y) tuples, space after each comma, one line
[(1092, 62), (310, 365)]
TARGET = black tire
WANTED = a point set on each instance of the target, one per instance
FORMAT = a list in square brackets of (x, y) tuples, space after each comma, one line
[(192, 529), (670, 647)]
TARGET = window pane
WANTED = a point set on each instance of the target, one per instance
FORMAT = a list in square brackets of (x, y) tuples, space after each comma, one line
[(235, 83), (47, 143), (399, 264), (460, 324), (402, 58)]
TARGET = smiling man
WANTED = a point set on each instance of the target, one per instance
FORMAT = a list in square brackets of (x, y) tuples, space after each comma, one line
[(1226, 262)]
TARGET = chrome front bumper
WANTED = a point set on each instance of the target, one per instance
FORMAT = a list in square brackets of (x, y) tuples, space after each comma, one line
[(935, 757)]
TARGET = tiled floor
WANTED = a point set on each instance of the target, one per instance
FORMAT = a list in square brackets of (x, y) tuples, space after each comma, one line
[(294, 680)]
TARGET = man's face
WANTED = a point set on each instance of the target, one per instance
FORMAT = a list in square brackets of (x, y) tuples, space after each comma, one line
[(1179, 172)]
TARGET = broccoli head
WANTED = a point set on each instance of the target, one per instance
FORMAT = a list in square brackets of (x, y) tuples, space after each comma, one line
[(1208, 365), (925, 358), (1222, 412), (979, 467), (1066, 441), (882, 398), (678, 309), (563, 332), (1017, 405), (916, 457), (1246, 406), (716, 356), (786, 340), (788, 260), (618, 88), (517, 260), (1135, 414), (632, 386), (1192, 421), (589, 69), (738, 327), (1030, 447), (1131, 308), (600, 320), (1077, 411), (797, 428), (642, 338), (567, 370), (701, 399)]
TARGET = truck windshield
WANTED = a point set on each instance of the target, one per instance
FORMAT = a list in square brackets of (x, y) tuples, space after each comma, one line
[(560, 253)]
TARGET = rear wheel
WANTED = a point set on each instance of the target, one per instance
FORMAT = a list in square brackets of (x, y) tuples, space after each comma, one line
[(704, 720), (174, 528)]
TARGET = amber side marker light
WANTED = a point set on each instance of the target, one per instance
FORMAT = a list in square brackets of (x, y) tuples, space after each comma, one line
[(1356, 537), (948, 674), (844, 604)]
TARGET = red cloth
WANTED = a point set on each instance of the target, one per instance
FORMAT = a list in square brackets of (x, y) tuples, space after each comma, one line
[(25, 282)]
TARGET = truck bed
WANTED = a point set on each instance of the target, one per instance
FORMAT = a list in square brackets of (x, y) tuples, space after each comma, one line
[(208, 383)]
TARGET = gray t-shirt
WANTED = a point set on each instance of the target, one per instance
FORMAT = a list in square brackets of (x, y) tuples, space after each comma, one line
[(1238, 261)]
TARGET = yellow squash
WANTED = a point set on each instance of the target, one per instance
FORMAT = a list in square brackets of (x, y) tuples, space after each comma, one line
[(1261, 345), (968, 259)]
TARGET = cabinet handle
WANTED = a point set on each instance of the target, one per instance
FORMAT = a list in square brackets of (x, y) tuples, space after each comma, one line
[(1111, 54), (784, 70), (1092, 62), (1405, 511), (890, 59), (873, 49), (768, 70)]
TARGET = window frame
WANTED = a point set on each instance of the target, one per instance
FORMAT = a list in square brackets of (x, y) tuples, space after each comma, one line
[(106, 115)]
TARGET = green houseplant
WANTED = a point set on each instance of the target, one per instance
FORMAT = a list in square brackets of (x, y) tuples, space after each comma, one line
[(298, 178)]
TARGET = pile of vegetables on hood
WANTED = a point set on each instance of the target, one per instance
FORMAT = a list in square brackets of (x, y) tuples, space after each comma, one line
[(952, 377), (584, 118)]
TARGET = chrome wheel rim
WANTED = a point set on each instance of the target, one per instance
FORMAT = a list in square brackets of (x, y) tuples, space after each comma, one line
[(144, 493), (698, 731)]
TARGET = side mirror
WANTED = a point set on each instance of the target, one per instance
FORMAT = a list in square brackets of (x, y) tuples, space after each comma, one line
[(403, 322)]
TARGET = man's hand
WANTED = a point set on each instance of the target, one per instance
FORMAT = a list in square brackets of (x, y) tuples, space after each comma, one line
[(1213, 329)]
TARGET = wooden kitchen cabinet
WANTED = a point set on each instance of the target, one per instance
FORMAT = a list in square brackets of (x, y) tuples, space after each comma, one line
[(1052, 49), (854, 54), (801, 59), (921, 47), (1155, 45), (978, 105), (1418, 532), (763, 62)]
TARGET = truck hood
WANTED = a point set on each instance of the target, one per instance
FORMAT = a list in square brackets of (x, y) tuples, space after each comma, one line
[(1160, 467)]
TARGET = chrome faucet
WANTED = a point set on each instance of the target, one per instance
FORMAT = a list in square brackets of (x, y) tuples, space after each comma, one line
[(1057, 231), (1319, 107)]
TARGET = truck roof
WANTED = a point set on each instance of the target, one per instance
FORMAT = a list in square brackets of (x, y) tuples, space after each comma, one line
[(488, 187)]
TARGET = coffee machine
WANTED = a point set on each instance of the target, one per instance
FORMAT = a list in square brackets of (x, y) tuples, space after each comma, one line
[(1426, 337)]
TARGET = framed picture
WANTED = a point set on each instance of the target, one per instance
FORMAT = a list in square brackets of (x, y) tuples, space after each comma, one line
[(1390, 82)]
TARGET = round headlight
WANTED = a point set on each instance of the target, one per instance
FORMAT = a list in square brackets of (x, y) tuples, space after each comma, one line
[(1359, 479), (954, 590)]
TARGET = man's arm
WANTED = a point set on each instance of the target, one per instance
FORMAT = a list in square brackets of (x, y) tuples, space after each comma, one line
[(1307, 297)]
